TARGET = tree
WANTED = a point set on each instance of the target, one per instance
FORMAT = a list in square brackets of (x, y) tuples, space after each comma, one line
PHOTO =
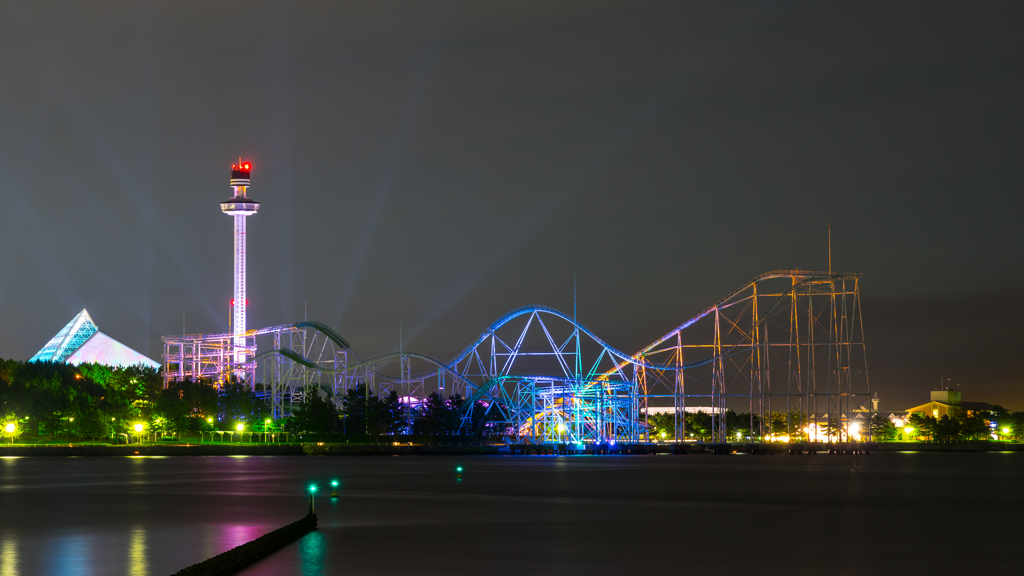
[(95, 424), (371, 415), (975, 427), (947, 429), (662, 425), (391, 414), (777, 425), (186, 404), (699, 424), (439, 417), (355, 405), (238, 404), (882, 429), (922, 425), (1016, 424), (317, 416), (482, 421)]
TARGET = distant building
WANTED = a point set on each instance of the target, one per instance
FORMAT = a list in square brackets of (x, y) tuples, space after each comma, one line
[(81, 341), (901, 420), (944, 403), (972, 408)]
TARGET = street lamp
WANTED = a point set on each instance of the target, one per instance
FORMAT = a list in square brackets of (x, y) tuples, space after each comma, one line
[(10, 428)]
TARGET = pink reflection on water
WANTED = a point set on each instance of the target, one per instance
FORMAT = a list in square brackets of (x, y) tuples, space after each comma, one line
[(236, 535)]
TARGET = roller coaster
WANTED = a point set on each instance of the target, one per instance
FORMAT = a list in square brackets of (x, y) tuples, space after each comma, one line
[(788, 341)]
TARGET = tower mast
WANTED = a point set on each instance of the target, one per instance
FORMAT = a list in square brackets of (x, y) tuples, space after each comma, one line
[(239, 206)]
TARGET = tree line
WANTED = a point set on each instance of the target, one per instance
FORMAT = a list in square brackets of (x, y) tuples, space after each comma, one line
[(742, 426), (46, 401), (792, 426), (51, 401)]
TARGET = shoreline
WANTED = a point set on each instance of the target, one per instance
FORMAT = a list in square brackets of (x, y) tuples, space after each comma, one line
[(390, 449)]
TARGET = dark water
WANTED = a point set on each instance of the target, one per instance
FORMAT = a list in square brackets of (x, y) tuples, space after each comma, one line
[(878, 514)]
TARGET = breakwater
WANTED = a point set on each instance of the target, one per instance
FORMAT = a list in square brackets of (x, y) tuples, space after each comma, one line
[(239, 557)]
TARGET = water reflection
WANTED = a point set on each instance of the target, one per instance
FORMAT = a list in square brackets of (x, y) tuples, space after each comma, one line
[(9, 556), (72, 555), (138, 563), (396, 516), (237, 535), (312, 553)]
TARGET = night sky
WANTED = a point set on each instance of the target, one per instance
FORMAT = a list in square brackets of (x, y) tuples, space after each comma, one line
[(437, 164)]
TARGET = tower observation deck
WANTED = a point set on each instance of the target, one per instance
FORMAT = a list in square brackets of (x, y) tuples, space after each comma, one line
[(239, 206)]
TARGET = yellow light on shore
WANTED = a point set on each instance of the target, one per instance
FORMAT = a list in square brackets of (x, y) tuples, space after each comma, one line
[(9, 428), (239, 427), (908, 429), (138, 427)]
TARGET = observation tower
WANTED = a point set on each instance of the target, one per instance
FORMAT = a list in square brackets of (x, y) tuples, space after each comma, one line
[(239, 206)]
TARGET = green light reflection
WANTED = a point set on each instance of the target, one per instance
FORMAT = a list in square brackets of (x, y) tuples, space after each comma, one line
[(312, 553)]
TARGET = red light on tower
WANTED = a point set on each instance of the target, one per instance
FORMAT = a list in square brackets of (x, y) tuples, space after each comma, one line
[(246, 166)]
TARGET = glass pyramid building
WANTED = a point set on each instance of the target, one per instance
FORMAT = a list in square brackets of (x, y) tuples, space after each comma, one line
[(81, 341)]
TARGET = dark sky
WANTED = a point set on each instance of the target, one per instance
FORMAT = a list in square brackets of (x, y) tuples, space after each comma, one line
[(441, 163)]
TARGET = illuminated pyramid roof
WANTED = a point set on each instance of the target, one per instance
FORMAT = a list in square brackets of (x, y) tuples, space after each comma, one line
[(81, 341), (69, 339)]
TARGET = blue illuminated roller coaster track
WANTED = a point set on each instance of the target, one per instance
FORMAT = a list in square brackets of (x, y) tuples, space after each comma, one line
[(801, 330), (558, 403)]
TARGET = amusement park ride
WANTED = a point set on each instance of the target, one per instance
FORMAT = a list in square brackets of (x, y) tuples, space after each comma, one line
[(786, 341)]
